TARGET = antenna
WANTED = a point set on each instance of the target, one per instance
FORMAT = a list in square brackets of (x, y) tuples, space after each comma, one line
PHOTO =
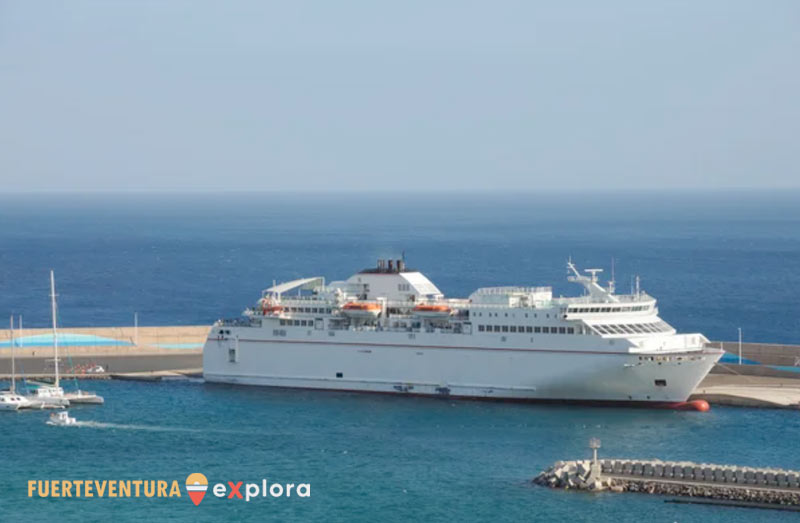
[(593, 273), (638, 291), (612, 283)]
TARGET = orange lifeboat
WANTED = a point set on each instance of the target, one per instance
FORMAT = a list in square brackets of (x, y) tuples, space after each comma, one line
[(432, 310), (270, 308), (363, 309)]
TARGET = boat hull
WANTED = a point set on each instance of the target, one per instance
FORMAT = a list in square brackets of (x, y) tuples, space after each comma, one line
[(430, 369)]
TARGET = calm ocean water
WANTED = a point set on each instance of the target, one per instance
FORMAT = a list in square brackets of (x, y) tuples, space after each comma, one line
[(715, 261)]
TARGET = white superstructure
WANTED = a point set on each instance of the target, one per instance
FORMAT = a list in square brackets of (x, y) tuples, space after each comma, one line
[(390, 329)]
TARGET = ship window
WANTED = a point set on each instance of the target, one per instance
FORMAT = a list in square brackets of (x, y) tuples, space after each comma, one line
[(537, 329), (570, 330), (529, 329), (562, 330), (661, 383), (339, 375), (497, 328), (546, 330), (513, 328), (283, 322), (232, 355), (521, 328), (615, 309), (480, 328), (505, 328)]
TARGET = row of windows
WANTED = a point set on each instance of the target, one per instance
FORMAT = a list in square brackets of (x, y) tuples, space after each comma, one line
[(634, 328), (403, 287), (312, 310), (638, 308), (526, 329), (505, 315), (298, 323)]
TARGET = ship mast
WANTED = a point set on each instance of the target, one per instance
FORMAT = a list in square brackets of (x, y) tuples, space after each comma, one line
[(13, 369), (55, 329)]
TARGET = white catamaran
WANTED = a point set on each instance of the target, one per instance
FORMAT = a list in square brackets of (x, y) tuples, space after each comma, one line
[(389, 329)]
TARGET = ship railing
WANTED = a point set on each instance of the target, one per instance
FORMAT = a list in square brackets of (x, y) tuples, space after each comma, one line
[(621, 298), (238, 322), (512, 290)]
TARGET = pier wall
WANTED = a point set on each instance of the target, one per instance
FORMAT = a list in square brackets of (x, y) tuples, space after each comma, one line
[(677, 478), (116, 349)]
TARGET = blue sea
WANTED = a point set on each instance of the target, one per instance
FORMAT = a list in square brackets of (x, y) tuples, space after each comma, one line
[(716, 262)]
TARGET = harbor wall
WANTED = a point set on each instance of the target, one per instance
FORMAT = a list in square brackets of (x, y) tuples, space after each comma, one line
[(747, 485), (116, 349)]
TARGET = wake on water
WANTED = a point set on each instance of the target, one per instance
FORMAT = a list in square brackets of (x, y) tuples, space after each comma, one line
[(151, 428)]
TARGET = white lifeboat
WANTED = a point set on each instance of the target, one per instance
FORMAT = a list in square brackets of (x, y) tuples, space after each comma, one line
[(361, 309), (432, 310)]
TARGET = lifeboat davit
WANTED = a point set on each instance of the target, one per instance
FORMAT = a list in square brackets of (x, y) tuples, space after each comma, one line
[(363, 309), (432, 310)]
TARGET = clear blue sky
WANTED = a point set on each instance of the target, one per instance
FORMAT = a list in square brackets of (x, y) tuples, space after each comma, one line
[(420, 95)]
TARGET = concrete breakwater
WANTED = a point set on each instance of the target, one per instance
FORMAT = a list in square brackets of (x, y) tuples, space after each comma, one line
[(115, 349), (743, 485)]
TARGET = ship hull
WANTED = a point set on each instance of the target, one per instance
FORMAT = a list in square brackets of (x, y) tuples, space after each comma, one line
[(430, 367)]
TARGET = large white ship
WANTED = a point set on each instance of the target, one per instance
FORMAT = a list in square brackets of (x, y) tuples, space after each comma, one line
[(389, 329)]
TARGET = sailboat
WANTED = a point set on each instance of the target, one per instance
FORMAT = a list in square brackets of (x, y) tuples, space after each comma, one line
[(78, 396), (10, 400), (52, 396)]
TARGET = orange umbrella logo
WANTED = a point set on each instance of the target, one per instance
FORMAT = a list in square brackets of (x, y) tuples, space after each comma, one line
[(196, 486)]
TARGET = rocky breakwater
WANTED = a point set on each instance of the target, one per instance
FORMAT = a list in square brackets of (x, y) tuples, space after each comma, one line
[(745, 485)]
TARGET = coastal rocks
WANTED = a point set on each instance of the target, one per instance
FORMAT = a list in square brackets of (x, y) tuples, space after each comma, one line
[(574, 475), (684, 479)]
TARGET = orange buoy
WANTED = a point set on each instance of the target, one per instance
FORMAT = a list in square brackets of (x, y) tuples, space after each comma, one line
[(698, 405)]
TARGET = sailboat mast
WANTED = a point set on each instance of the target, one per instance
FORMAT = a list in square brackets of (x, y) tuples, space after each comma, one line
[(13, 369), (55, 329)]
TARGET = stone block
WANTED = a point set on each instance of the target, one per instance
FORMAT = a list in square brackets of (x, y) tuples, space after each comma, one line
[(729, 475), (780, 478)]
